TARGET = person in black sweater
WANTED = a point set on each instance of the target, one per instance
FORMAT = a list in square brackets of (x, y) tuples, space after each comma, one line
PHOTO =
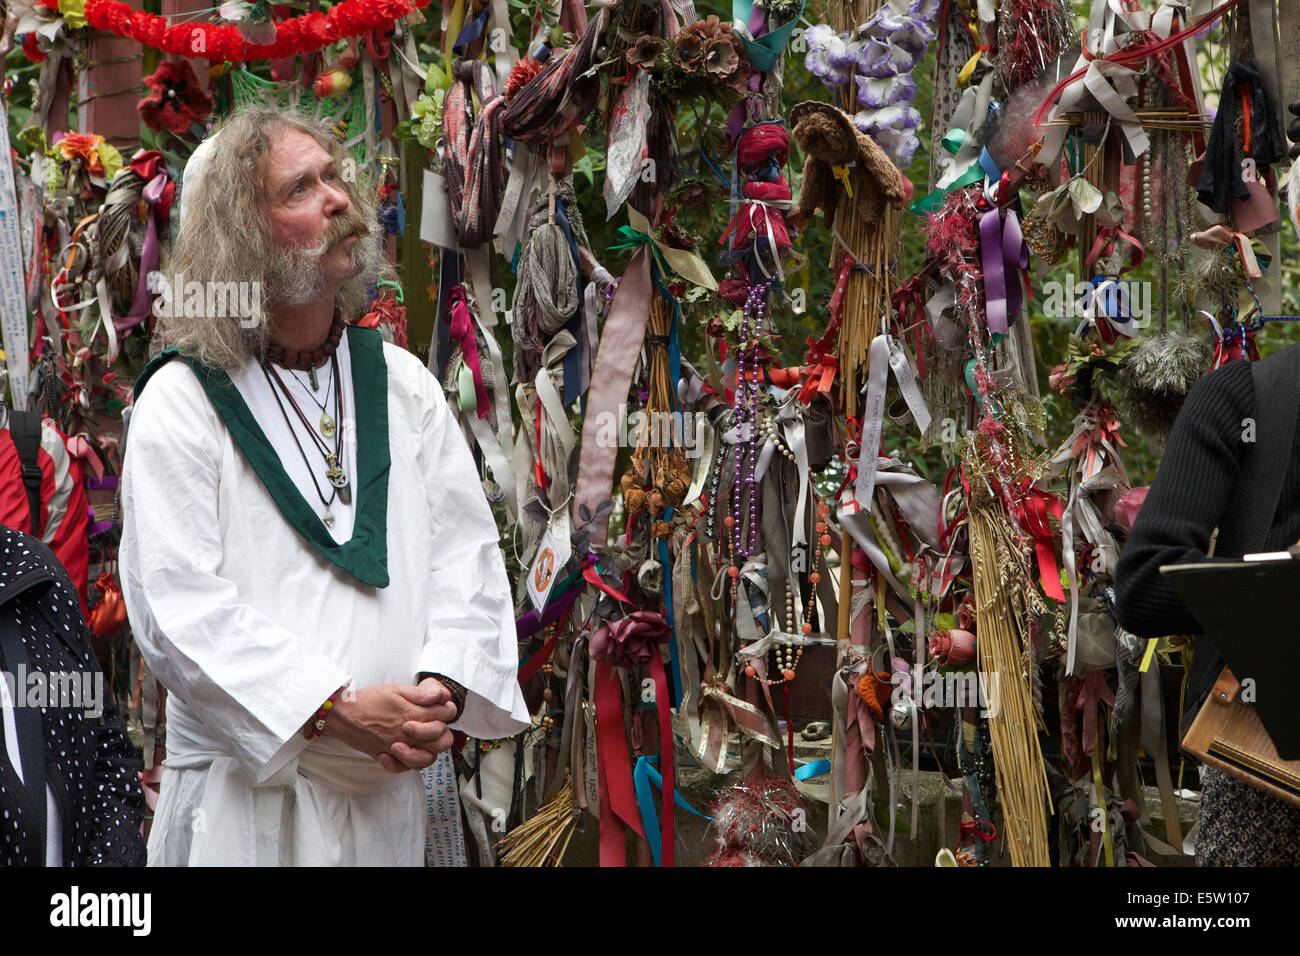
[(1240, 825)]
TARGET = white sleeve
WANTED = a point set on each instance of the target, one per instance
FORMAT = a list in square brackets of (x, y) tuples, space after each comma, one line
[(252, 682), (471, 637)]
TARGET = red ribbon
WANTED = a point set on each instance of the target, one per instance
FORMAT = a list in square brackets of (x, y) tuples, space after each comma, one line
[(819, 376), (1104, 245), (1089, 442), (1031, 512), (908, 305), (614, 770), (634, 640)]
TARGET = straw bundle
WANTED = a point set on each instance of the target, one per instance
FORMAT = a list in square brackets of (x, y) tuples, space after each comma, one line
[(1002, 610), (543, 840)]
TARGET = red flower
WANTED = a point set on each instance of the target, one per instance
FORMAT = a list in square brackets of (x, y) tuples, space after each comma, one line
[(30, 49), (178, 100)]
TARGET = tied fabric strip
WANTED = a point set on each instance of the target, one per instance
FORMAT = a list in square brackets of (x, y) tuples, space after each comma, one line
[(628, 643), (461, 329), (472, 156)]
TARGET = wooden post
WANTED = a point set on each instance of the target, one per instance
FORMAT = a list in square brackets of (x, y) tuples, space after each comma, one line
[(110, 89)]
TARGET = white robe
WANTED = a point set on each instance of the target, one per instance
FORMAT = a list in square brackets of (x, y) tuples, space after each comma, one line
[(250, 628)]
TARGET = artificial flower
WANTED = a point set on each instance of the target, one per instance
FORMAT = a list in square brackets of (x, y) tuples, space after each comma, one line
[(825, 50), (899, 144), (427, 116), (720, 57), (83, 148), (688, 52), (880, 57), (879, 92), (177, 101), (645, 52)]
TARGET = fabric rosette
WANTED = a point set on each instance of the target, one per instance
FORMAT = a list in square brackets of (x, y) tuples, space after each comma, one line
[(632, 641)]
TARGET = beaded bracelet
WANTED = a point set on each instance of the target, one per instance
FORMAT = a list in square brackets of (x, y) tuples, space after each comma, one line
[(316, 726)]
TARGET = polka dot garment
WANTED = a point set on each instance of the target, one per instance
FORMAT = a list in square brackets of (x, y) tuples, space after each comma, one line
[(90, 765)]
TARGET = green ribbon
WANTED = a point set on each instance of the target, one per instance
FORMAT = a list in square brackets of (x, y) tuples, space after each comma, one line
[(633, 238), (928, 204)]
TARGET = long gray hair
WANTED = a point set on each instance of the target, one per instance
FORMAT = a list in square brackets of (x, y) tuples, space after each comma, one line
[(225, 236)]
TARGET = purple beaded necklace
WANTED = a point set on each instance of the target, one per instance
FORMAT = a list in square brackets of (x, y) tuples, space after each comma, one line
[(744, 540)]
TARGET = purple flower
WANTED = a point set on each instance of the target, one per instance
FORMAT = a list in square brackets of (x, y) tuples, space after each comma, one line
[(927, 10), (878, 92), (898, 144), (882, 58), (825, 51)]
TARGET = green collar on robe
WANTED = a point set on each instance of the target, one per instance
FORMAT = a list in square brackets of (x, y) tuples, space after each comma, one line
[(365, 554)]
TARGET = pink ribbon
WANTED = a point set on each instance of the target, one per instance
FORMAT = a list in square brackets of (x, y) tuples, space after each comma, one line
[(461, 328), (79, 446), (1001, 243), (620, 345)]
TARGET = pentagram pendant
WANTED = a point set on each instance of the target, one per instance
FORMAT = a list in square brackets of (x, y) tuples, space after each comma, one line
[(328, 517), (326, 425), (338, 478)]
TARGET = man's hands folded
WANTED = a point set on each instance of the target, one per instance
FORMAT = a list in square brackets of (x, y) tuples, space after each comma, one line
[(402, 726)]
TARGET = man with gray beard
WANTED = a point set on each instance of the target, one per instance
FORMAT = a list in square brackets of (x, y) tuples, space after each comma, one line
[(308, 561)]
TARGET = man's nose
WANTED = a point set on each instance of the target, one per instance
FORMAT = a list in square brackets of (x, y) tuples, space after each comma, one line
[(336, 201)]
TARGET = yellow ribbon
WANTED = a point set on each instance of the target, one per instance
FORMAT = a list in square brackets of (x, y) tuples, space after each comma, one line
[(842, 174), (686, 264)]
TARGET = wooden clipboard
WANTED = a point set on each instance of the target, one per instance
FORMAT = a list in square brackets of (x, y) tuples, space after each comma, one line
[(1247, 607)]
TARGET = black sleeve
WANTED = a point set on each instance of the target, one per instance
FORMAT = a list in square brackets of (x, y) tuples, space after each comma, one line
[(1201, 464)]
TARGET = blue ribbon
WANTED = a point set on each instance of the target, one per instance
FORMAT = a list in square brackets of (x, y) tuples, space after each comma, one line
[(814, 769), (471, 31), (645, 777), (450, 273), (573, 357), (674, 678), (989, 166)]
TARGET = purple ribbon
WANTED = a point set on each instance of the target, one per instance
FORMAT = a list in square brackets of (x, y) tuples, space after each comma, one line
[(1001, 242), (526, 625), (143, 303)]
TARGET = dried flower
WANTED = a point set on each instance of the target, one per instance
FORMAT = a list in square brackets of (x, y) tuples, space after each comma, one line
[(645, 52), (720, 57), (689, 52)]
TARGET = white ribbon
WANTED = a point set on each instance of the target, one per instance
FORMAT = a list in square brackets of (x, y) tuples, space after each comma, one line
[(872, 420)]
